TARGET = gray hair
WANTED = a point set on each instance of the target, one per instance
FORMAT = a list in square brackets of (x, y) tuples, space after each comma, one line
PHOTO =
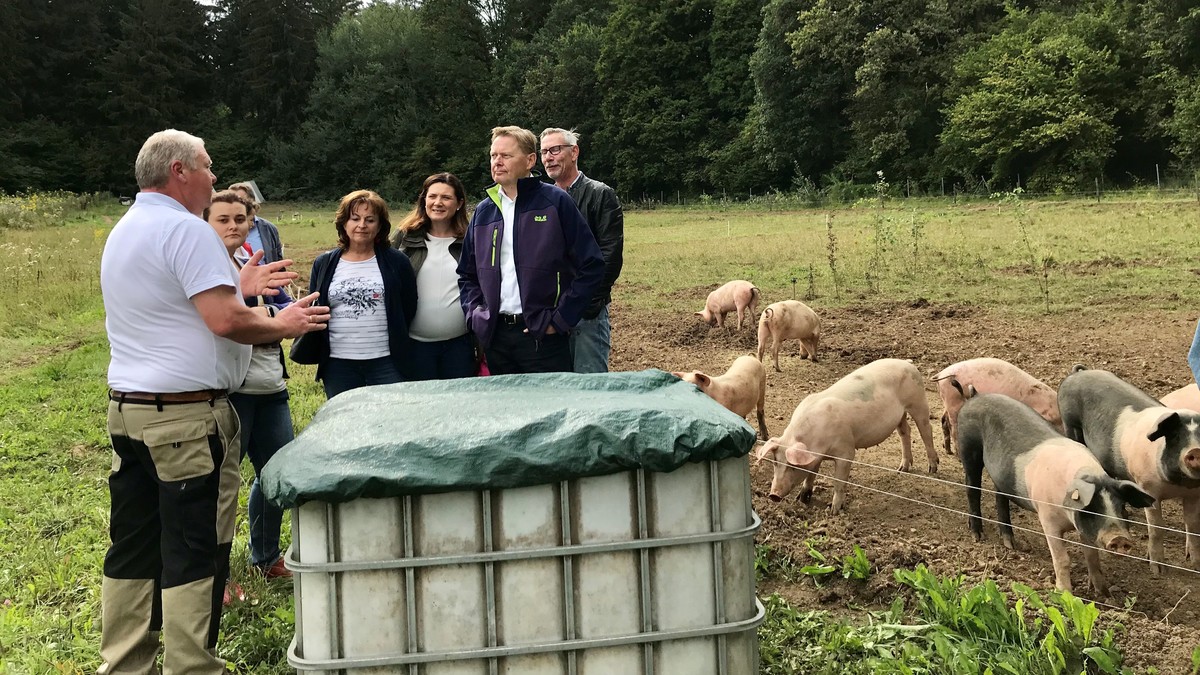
[(569, 135), (153, 166)]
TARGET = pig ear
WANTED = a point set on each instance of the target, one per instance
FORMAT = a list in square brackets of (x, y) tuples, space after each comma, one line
[(1081, 493), (1163, 425), (678, 374), (764, 450), (702, 379), (799, 456), (698, 313), (1134, 495)]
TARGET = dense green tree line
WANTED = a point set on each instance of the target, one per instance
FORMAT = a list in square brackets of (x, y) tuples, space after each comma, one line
[(317, 97)]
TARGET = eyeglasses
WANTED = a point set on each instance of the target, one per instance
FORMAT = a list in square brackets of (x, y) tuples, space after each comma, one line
[(556, 150)]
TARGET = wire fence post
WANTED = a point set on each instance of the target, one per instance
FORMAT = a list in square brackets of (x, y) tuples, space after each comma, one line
[(1097, 189), (1157, 176)]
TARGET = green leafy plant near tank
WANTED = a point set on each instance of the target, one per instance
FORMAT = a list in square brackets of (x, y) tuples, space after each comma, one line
[(947, 629)]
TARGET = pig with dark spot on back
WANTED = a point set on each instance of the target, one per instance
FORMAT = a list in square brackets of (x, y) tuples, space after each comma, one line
[(735, 296), (741, 389), (1040, 470), (860, 410), (789, 320), (1137, 438), (992, 376)]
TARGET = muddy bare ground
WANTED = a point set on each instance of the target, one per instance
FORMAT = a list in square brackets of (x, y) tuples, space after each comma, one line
[(1149, 349)]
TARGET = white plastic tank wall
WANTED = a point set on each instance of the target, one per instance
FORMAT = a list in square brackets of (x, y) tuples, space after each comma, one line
[(637, 572)]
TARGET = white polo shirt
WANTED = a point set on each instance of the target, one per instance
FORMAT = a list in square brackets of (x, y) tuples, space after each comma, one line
[(156, 259)]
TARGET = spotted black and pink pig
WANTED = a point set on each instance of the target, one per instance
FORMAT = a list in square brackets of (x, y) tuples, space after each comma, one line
[(1136, 438), (1034, 466)]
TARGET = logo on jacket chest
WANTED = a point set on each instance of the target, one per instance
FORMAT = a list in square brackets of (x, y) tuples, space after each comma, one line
[(540, 219)]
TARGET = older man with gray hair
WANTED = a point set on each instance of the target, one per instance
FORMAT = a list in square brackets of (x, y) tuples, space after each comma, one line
[(179, 337), (591, 339)]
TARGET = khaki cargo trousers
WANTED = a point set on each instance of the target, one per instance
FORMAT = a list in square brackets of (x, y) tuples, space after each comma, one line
[(174, 486)]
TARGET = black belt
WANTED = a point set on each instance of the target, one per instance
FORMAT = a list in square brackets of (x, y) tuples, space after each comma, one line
[(167, 398), (512, 319)]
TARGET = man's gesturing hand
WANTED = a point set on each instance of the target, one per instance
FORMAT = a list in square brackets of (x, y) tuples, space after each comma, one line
[(302, 317), (266, 279)]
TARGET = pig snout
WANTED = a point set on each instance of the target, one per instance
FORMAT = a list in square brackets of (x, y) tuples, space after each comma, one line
[(1120, 544), (1115, 538), (775, 497), (1191, 461)]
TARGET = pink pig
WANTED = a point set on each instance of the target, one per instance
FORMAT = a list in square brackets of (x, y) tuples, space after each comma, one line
[(1186, 397), (789, 320), (992, 376), (735, 296), (741, 389), (860, 410)]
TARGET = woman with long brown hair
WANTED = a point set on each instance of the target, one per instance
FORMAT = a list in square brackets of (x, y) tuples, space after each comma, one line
[(431, 235)]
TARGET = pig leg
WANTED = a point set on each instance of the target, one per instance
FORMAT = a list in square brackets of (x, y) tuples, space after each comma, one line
[(811, 345), (762, 420), (905, 444), (776, 341), (1058, 554), (1154, 521), (841, 474), (741, 309), (1004, 515), (764, 334), (971, 449), (1091, 555), (1191, 518), (946, 433), (974, 480), (810, 482), (920, 415)]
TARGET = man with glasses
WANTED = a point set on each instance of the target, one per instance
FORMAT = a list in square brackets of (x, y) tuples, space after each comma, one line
[(591, 340), (529, 264)]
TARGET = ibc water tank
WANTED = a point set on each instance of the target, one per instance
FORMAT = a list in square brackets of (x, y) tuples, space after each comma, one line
[(634, 553)]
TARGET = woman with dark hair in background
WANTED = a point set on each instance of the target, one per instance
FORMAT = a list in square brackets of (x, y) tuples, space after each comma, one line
[(431, 235), (372, 296)]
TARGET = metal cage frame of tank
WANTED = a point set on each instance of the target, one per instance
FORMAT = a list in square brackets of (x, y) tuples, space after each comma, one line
[(664, 542)]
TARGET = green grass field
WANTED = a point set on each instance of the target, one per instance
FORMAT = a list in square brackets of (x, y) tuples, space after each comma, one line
[(1006, 254)]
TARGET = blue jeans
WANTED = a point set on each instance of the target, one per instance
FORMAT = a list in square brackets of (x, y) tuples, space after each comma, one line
[(346, 374), (443, 360), (266, 427), (591, 343)]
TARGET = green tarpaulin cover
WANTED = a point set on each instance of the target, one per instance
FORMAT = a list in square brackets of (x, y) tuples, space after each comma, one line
[(499, 432)]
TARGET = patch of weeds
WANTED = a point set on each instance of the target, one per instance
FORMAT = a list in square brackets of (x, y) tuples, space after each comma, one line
[(951, 631), (916, 228), (771, 564), (1060, 638), (1039, 264), (831, 254), (856, 566), (819, 568)]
